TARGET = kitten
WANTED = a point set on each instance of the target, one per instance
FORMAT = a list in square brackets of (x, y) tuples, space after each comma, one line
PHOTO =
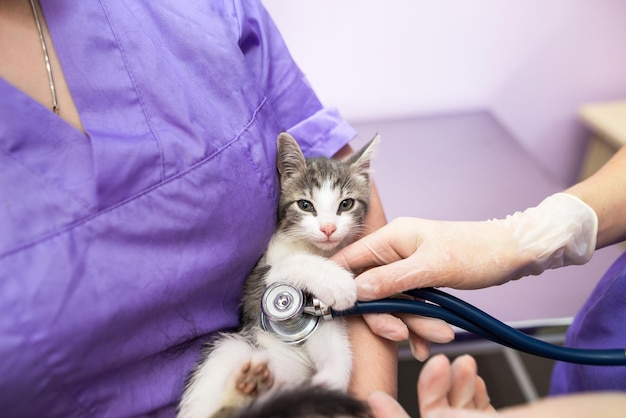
[(322, 208)]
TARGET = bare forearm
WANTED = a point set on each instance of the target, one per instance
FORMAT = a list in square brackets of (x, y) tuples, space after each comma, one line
[(375, 364), (376, 216), (605, 192)]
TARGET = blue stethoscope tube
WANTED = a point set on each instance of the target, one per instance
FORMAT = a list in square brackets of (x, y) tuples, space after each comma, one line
[(438, 304)]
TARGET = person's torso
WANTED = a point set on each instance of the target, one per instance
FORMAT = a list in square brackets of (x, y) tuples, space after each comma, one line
[(122, 246)]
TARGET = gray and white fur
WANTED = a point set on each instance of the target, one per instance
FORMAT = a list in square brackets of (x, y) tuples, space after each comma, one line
[(322, 208)]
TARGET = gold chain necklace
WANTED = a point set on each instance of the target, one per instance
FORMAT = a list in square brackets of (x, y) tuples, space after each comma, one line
[(44, 48)]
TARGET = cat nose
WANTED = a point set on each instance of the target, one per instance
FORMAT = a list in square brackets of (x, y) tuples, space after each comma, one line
[(328, 229)]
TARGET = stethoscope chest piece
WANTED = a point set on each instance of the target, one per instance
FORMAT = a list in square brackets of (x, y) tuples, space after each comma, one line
[(282, 313)]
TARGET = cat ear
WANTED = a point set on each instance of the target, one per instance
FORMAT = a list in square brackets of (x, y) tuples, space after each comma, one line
[(360, 161), (290, 158)]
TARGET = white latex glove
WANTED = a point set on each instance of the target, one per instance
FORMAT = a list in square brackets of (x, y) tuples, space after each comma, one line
[(413, 253)]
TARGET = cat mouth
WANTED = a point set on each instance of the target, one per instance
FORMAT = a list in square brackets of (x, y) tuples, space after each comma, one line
[(328, 242)]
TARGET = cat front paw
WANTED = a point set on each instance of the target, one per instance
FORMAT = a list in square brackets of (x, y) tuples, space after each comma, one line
[(338, 288)]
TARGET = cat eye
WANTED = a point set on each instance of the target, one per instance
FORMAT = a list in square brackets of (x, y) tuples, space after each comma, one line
[(306, 206), (346, 205)]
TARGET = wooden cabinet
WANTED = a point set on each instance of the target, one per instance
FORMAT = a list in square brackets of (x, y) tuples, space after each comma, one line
[(607, 121)]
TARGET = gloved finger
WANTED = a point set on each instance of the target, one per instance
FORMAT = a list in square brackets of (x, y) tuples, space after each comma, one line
[(420, 347), (387, 326), (371, 250), (384, 406), (432, 329), (422, 331), (384, 281)]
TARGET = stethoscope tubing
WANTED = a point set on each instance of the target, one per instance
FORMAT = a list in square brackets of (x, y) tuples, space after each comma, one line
[(438, 304)]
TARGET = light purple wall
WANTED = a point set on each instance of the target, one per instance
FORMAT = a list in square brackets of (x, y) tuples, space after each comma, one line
[(581, 60), (532, 63)]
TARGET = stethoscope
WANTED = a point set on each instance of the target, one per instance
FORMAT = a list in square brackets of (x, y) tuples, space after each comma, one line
[(293, 316)]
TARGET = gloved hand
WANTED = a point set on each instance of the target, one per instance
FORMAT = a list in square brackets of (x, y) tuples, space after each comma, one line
[(411, 253)]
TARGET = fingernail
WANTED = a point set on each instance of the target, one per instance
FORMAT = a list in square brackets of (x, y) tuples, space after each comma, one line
[(420, 353)]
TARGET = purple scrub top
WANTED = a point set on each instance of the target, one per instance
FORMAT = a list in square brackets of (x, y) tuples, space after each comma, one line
[(600, 324), (123, 248)]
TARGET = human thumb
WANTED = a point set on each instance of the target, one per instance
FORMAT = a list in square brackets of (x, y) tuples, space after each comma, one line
[(384, 281)]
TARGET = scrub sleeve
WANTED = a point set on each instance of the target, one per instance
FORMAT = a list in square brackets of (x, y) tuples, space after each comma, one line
[(598, 325)]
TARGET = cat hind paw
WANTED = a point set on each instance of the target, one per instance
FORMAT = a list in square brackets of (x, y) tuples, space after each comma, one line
[(255, 378)]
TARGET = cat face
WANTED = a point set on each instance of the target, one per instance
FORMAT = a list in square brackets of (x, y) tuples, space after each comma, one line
[(323, 202)]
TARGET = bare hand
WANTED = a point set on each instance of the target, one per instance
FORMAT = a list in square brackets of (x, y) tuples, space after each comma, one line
[(443, 389)]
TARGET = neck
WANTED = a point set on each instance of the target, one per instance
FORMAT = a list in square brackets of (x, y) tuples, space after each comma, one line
[(22, 61)]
